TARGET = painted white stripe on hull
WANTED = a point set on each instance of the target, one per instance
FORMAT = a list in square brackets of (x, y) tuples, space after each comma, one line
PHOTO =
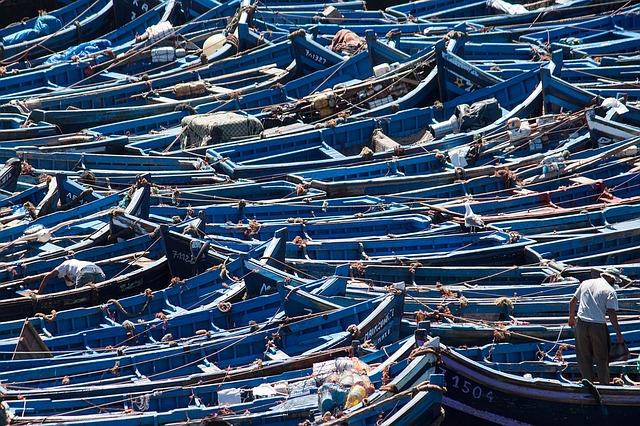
[(495, 418)]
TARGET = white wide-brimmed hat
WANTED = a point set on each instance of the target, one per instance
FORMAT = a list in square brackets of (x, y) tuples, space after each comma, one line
[(614, 273)]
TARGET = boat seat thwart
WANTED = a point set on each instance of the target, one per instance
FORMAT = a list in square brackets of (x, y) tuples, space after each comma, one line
[(143, 261), (382, 142), (160, 100), (275, 354), (582, 180), (523, 191), (24, 293)]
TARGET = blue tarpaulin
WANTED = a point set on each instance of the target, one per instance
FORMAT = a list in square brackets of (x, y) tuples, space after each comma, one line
[(45, 25), (81, 50)]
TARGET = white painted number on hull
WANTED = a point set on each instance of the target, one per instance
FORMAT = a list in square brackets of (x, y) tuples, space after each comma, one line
[(315, 57), (466, 387)]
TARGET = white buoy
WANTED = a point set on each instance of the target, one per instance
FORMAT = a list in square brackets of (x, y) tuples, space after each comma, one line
[(213, 43)]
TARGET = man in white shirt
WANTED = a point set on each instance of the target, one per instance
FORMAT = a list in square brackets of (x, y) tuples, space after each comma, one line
[(596, 299), (75, 273)]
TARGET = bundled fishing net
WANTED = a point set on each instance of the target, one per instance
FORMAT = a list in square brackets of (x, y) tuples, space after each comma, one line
[(207, 129), (347, 42), (343, 383)]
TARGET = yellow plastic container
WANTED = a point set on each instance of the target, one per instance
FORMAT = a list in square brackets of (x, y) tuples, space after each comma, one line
[(355, 396)]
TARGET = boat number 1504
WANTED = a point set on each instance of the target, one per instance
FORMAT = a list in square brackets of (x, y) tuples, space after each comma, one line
[(465, 386)]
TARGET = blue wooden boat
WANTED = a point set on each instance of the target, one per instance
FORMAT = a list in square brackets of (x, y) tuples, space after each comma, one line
[(584, 222), (473, 249), (394, 167), (71, 161), (152, 274), (377, 321), (594, 37), (613, 247), (475, 294), (212, 319), (113, 90), (324, 229), (377, 275), (88, 204), (44, 75), (56, 31), (423, 9), (336, 147), (221, 285), (504, 356), (586, 194), (40, 199), (474, 282), (586, 73), (245, 211), (96, 112), (168, 403), (14, 126), (26, 192), (496, 13), (272, 192), (421, 408), (9, 175), (486, 50), (401, 409), (346, 18), (86, 141), (507, 398), (293, 5), (561, 96), (259, 96), (109, 180), (477, 333), (180, 414), (67, 236), (147, 269), (544, 307), (32, 228), (606, 130)]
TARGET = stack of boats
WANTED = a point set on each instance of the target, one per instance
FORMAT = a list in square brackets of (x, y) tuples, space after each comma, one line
[(316, 213)]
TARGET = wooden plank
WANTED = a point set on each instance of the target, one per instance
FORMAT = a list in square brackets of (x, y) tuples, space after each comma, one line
[(30, 344), (582, 180), (523, 191)]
